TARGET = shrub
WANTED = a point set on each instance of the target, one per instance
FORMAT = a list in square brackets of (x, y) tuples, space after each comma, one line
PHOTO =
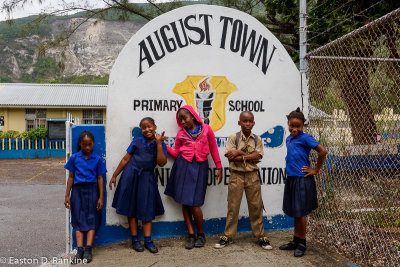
[(9, 134), (35, 133)]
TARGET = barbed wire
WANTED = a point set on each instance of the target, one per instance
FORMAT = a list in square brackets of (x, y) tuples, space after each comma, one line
[(345, 20), (323, 3), (324, 16)]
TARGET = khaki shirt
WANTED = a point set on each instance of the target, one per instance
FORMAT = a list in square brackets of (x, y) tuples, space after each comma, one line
[(247, 146)]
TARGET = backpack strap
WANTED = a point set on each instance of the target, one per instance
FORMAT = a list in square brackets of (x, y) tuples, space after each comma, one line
[(237, 139)]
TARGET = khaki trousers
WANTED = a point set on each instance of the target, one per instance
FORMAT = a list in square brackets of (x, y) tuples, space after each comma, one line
[(249, 181)]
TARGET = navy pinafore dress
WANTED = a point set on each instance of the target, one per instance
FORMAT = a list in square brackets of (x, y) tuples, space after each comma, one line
[(137, 194), (187, 183)]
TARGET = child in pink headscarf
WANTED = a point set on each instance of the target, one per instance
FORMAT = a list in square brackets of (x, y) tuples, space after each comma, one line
[(187, 183)]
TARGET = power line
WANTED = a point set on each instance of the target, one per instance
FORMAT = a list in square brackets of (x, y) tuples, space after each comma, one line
[(327, 31), (331, 33)]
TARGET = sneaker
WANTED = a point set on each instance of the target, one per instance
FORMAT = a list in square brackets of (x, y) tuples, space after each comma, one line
[(223, 242), (190, 242), (264, 243), (289, 246), (300, 250), (200, 241)]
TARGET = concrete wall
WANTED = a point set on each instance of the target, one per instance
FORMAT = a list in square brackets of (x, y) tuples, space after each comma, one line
[(14, 120)]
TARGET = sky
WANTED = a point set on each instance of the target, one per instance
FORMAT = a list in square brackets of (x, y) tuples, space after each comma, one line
[(33, 8)]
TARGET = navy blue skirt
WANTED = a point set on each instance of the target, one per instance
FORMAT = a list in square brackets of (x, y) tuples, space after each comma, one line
[(187, 183), (83, 201), (300, 196), (137, 194)]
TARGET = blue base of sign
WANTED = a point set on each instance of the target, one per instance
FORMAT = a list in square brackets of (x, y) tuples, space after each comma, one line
[(112, 234), (26, 154)]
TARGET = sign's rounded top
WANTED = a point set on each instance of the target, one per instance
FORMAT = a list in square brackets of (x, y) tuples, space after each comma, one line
[(205, 25)]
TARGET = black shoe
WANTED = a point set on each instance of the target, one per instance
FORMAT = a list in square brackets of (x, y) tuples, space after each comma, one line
[(151, 247), (200, 241), (137, 246), (300, 250), (289, 246), (87, 255), (264, 243), (77, 259), (190, 242), (223, 242)]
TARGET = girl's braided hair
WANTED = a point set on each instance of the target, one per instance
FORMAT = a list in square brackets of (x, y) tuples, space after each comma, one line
[(296, 114), (150, 119), (83, 135)]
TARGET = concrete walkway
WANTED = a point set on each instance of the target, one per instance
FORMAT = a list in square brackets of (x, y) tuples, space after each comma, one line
[(242, 253)]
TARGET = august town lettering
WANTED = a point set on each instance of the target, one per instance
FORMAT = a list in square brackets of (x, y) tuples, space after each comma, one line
[(236, 36)]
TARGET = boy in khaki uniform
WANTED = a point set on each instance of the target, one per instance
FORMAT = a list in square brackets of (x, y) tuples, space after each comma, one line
[(244, 152)]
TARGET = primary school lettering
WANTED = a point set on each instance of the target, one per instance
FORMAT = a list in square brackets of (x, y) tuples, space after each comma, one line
[(174, 105), (235, 36)]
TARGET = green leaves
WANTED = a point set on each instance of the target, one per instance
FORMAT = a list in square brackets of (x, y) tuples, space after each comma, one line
[(35, 133)]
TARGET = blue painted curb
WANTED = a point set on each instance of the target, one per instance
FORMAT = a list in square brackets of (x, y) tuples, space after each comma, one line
[(112, 234)]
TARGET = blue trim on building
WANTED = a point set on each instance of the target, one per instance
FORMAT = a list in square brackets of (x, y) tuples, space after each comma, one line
[(363, 162)]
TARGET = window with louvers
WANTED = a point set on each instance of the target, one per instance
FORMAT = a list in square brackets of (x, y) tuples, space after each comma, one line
[(92, 116), (35, 118)]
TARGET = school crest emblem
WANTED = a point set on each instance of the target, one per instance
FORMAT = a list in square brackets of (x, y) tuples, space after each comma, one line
[(207, 95)]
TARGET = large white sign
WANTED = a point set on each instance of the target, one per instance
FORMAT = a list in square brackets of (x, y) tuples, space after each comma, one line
[(222, 62)]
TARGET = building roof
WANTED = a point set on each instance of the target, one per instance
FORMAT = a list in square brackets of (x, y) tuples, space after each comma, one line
[(52, 95)]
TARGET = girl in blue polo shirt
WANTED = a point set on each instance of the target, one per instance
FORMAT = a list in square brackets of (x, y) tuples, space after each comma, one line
[(86, 181), (137, 195), (300, 195)]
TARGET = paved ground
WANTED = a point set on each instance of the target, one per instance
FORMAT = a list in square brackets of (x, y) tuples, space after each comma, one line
[(48, 171), (243, 252), (32, 226), (32, 214)]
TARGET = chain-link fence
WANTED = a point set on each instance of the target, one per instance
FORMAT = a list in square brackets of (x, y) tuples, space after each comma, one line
[(354, 87)]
